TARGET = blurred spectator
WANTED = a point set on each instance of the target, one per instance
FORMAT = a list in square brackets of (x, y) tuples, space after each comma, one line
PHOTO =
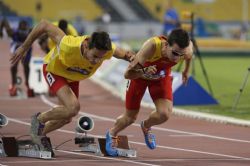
[(171, 19), (201, 28), (244, 31), (18, 36), (79, 25)]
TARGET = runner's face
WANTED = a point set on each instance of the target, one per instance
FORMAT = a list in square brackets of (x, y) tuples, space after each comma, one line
[(175, 52), (95, 56)]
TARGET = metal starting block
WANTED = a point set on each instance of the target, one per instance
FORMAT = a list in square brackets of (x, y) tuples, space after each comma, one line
[(11, 147), (89, 144)]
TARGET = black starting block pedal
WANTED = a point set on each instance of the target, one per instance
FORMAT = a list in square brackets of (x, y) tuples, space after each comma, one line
[(11, 147), (98, 146)]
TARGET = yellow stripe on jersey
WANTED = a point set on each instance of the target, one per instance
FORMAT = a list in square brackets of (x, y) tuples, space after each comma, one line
[(67, 60), (157, 55)]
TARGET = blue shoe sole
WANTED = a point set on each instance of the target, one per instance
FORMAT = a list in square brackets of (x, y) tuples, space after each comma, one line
[(108, 147)]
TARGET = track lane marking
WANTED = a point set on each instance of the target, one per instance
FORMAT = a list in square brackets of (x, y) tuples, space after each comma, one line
[(46, 101), (143, 144)]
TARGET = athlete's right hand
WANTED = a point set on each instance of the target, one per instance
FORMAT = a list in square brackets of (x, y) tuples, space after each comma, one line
[(149, 72), (18, 55), (150, 69)]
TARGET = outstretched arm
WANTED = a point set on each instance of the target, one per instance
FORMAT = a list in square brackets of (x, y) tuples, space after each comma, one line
[(123, 54), (135, 68), (55, 33)]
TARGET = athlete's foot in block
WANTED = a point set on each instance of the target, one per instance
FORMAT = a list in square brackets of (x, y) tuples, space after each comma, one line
[(111, 144), (36, 128)]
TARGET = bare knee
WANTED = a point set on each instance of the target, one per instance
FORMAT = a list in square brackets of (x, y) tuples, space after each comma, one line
[(130, 119), (73, 109), (165, 114), (131, 116), (66, 121), (126, 118)]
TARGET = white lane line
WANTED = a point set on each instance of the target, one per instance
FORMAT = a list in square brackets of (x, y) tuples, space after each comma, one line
[(58, 161), (83, 160), (194, 151), (99, 160), (194, 159), (158, 146), (115, 159), (46, 101), (50, 161), (3, 165), (170, 130), (183, 135), (69, 152)]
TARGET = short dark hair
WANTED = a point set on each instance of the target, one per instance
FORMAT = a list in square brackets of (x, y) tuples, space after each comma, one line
[(100, 40), (63, 25), (180, 37)]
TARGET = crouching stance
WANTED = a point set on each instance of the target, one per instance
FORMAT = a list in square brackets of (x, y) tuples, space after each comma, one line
[(151, 68), (71, 60)]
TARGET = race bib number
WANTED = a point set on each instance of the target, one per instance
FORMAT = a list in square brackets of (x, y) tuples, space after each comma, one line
[(50, 79)]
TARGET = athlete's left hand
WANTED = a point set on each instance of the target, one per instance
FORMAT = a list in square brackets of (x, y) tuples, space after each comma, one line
[(18, 55), (130, 56), (184, 78)]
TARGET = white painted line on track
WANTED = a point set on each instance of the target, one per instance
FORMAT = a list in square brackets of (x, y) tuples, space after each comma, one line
[(88, 160), (69, 152), (194, 151), (109, 158), (58, 161), (3, 165), (183, 135), (143, 144), (83, 160), (46, 101), (171, 130), (194, 159)]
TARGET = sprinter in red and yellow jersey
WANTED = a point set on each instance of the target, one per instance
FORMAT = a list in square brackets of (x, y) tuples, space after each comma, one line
[(72, 59), (151, 69)]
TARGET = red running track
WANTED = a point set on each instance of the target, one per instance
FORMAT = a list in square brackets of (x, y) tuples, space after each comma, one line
[(181, 141)]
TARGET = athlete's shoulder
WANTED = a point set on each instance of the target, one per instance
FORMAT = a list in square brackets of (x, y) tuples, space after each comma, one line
[(70, 43), (71, 40), (55, 23), (155, 41)]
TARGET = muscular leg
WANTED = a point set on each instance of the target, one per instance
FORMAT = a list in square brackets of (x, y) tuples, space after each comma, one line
[(60, 102), (124, 121), (61, 114), (54, 124), (134, 88), (26, 69), (13, 71), (161, 114)]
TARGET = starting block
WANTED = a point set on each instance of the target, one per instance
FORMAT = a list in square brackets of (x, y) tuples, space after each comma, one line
[(11, 147), (97, 146)]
